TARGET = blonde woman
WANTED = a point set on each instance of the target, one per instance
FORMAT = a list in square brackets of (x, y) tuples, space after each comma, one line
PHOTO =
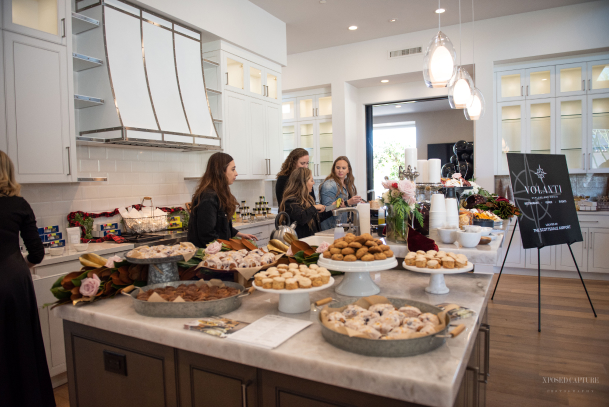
[(339, 184), (24, 374), (300, 206), (298, 158)]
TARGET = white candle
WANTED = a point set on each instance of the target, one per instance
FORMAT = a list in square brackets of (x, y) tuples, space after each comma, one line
[(434, 170), (422, 167), (410, 157)]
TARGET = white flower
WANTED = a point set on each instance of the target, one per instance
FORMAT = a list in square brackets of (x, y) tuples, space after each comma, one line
[(386, 197)]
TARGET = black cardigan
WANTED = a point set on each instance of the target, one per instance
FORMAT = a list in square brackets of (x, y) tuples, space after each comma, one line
[(302, 217), (282, 180), (17, 216), (208, 221)]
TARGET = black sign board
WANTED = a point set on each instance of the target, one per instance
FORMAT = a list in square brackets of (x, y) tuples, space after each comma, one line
[(542, 192)]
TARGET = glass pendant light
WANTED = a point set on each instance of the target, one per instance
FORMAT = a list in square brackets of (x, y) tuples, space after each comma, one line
[(460, 88), (440, 57), (475, 110)]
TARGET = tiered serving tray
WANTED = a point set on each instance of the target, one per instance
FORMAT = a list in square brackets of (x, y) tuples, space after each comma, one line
[(357, 281)]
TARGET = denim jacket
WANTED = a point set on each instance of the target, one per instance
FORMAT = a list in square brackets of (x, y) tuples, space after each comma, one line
[(327, 195)]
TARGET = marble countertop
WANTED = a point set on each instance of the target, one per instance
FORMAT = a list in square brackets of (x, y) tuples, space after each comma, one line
[(432, 378), (241, 226), (98, 248)]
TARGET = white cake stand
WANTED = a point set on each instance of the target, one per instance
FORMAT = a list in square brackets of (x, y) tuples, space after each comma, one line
[(357, 281), (437, 285), (295, 301)]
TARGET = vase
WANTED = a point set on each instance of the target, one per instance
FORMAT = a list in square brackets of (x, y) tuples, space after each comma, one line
[(397, 227)]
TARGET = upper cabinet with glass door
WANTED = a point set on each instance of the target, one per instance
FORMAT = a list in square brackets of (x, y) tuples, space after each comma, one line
[(315, 107), (250, 79), (598, 130), (42, 19), (521, 84), (571, 131), (582, 78), (288, 109)]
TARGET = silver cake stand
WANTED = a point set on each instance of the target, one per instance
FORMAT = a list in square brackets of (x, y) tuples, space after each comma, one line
[(160, 270)]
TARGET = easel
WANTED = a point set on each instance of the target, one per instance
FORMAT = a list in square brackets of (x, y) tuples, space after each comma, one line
[(539, 278)]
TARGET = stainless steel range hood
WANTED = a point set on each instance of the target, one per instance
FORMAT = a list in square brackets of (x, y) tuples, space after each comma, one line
[(150, 81)]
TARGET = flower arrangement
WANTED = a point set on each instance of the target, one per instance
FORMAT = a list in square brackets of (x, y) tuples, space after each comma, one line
[(400, 199)]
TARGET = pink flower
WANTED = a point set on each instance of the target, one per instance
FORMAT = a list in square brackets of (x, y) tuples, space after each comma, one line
[(407, 187), (457, 175), (89, 286), (289, 252), (213, 248), (111, 261), (410, 200), (386, 184), (322, 247)]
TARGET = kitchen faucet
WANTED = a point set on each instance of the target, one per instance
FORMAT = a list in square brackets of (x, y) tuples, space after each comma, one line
[(354, 226)]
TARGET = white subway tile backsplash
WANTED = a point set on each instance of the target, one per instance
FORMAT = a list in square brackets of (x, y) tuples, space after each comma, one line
[(71, 192), (132, 178), (123, 166), (99, 205), (90, 192), (114, 153), (97, 153), (145, 155), (165, 189), (107, 166), (49, 193), (159, 156), (130, 154), (116, 178), (138, 166), (89, 165), (82, 152), (145, 178)]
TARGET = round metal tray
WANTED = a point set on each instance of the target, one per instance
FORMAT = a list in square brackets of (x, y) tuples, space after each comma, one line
[(388, 348), (186, 309)]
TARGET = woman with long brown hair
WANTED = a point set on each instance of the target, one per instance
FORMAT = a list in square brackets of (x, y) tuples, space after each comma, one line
[(298, 158), (300, 206), (24, 374), (213, 205), (339, 184)]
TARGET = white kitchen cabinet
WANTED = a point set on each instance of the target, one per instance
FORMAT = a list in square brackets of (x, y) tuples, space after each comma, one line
[(547, 258), (598, 253), (316, 137), (314, 106), (258, 141), (598, 132), (290, 140), (42, 19), (236, 132), (250, 79), (540, 126), (511, 131), (288, 109), (274, 137), (525, 84), (571, 79), (516, 254), (571, 132), (564, 260), (38, 110), (598, 76)]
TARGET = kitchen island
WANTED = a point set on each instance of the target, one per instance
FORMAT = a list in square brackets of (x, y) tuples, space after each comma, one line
[(155, 361)]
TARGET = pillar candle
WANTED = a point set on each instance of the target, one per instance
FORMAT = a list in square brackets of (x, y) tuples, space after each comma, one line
[(434, 170), (410, 157), (422, 167)]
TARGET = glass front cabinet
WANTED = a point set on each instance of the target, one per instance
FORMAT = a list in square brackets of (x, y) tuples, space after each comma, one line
[(42, 19), (582, 78), (523, 84), (243, 76), (316, 137)]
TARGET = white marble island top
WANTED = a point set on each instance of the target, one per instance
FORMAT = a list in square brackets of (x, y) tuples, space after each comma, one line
[(432, 378)]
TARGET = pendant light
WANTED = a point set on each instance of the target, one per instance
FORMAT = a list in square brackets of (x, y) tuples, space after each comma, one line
[(476, 109), (439, 64), (461, 87)]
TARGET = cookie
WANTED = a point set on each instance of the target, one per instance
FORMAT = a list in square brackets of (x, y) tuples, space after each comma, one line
[(367, 257), (335, 250), (384, 247), (355, 245), (361, 252), (338, 257), (327, 254), (388, 253), (350, 257), (370, 243), (341, 245), (379, 256), (347, 250), (375, 249)]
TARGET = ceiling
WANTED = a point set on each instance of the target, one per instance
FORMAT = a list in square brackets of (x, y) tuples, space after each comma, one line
[(312, 25), (417, 107)]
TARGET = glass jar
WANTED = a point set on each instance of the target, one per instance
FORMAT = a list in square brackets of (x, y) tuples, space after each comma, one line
[(397, 226)]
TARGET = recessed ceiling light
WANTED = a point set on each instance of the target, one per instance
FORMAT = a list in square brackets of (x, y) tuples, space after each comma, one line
[(440, 11), (353, 28), (398, 106), (544, 79), (385, 81), (393, 20), (322, 1)]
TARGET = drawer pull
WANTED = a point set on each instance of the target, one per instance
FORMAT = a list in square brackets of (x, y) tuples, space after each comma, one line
[(244, 392), (115, 362)]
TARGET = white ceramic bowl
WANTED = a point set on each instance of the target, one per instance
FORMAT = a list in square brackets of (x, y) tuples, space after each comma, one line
[(471, 228), (485, 231), (469, 239), (56, 251), (448, 236), (81, 247)]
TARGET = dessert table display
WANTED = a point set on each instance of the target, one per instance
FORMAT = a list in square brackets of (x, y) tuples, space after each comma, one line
[(295, 301), (437, 285), (357, 281)]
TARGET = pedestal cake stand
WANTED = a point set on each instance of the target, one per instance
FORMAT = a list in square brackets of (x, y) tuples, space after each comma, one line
[(437, 285), (357, 281), (161, 269), (295, 301)]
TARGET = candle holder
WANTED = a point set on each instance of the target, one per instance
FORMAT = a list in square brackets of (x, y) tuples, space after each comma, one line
[(410, 173)]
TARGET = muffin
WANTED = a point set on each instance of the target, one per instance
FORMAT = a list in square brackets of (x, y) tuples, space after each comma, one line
[(420, 262), (291, 284), (316, 280), (448, 262), (313, 266), (325, 276), (267, 283), (293, 266), (272, 274), (278, 283), (304, 283), (433, 264), (273, 269), (258, 279)]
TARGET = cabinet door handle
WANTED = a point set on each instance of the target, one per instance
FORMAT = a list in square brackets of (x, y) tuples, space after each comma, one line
[(522, 91), (227, 78), (270, 166), (69, 162), (589, 161), (584, 159), (527, 90), (475, 371), (244, 392), (589, 84), (486, 329), (583, 84), (63, 28), (585, 236)]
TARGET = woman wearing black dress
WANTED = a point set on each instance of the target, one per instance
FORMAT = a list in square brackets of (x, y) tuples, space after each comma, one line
[(213, 205), (24, 374), (299, 205), (298, 158)]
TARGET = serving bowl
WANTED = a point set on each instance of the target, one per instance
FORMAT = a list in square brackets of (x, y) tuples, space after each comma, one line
[(469, 239), (56, 251), (485, 231), (448, 236), (81, 247)]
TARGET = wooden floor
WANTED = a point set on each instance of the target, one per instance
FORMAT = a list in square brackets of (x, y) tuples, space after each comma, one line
[(572, 344)]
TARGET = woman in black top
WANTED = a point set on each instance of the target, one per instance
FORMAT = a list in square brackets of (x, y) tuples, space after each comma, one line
[(299, 205), (24, 374), (298, 158), (213, 205)]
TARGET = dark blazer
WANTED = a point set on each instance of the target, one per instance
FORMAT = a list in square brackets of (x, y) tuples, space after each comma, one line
[(282, 180), (208, 221), (302, 217)]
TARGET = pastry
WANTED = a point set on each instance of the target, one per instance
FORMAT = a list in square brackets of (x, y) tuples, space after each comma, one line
[(414, 324), (304, 282), (325, 276), (282, 266), (287, 275), (432, 252), (409, 261), (429, 257), (367, 257), (441, 253), (291, 284), (369, 316), (293, 266), (350, 257), (352, 311), (316, 281), (421, 262), (410, 311), (337, 257), (379, 256), (322, 269), (433, 264), (258, 279), (347, 251), (382, 327), (327, 254), (388, 253), (421, 252), (273, 273), (313, 267), (389, 322), (460, 262), (355, 323), (400, 330), (336, 316), (369, 332), (450, 254), (381, 308), (278, 283), (448, 262), (428, 329), (429, 317), (393, 313), (267, 283)]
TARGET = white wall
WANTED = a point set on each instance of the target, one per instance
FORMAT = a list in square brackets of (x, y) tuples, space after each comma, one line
[(553, 31), (237, 21)]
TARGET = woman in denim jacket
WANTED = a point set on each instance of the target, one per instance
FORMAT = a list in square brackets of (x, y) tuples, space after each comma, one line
[(339, 184)]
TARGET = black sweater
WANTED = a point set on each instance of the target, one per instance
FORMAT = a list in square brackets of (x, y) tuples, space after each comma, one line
[(302, 217), (282, 180), (208, 221), (17, 216)]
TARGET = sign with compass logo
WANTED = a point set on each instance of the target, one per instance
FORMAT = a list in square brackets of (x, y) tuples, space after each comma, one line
[(542, 192)]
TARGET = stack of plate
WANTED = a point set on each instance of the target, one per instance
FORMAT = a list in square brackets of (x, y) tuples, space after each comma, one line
[(437, 213)]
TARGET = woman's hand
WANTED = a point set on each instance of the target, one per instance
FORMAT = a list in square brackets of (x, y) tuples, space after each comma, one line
[(320, 208), (342, 203), (246, 236), (354, 200)]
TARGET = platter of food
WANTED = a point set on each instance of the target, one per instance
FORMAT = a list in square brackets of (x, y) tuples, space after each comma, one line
[(387, 327), (293, 283), (437, 263), (180, 299), (161, 253)]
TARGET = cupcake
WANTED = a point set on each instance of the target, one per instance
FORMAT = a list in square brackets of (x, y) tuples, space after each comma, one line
[(433, 264), (316, 280), (287, 274), (448, 262), (278, 283), (304, 283), (273, 269), (258, 279), (282, 266), (325, 276), (273, 273), (420, 262), (267, 283), (291, 284), (314, 267)]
